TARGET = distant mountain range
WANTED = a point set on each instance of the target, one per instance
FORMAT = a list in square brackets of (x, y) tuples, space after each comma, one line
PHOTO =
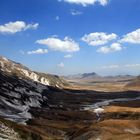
[(82, 76), (95, 77)]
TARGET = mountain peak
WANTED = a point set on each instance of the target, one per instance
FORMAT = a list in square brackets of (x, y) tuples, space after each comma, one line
[(85, 75)]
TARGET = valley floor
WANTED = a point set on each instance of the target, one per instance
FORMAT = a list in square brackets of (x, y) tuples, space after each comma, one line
[(106, 85), (84, 115)]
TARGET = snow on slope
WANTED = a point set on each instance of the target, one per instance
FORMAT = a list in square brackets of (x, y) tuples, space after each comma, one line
[(12, 67)]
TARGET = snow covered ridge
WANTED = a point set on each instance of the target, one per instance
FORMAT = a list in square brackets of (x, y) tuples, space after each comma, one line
[(34, 76), (12, 67)]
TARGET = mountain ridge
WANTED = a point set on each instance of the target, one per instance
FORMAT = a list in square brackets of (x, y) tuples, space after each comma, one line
[(22, 71), (95, 76)]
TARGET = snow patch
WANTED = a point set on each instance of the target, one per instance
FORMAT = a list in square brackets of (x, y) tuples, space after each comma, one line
[(98, 110), (25, 72), (1, 64), (45, 81), (35, 77), (57, 86)]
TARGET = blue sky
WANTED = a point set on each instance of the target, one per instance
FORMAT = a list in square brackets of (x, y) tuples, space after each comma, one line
[(69, 36)]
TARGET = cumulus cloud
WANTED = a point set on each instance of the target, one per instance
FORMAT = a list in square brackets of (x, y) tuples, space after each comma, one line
[(17, 26), (133, 37), (38, 51), (61, 65), (98, 38), (75, 12), (56, 44), (113, 48), (87, 2), (68, 56)]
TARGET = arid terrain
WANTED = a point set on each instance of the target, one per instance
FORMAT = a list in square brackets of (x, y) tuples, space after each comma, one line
[(36, 106), (104, 83)]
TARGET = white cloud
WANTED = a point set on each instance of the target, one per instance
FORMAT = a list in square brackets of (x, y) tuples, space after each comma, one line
[(113, 48), (132, 65), (31, 26), (133, 37), (98, 38), (66, 45), (68, 56), (61, 65), (75, 12), (87, 2), (17, 26), (38, 51), (22, 52), (110, 67), (57, 18)]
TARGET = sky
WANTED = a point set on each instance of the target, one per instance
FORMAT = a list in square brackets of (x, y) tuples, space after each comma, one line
[(67, 37)]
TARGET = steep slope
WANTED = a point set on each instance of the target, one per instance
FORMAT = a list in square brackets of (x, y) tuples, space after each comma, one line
[(21, 71), (17, 96)]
